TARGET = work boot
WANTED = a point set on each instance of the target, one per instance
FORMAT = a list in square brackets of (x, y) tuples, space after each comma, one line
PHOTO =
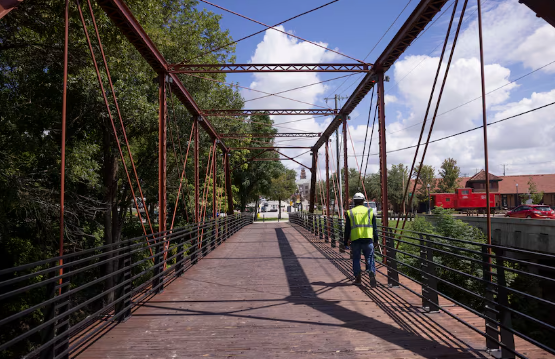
[(358, 279), (372, 276)]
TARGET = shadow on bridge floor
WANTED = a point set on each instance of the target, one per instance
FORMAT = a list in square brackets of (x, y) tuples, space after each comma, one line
[(294, 300)]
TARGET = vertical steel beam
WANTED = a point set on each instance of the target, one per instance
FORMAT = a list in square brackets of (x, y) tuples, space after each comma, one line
[(345, 163), (196, 135), (214, 171), (312, 197), (328, 189), (229, 194), (383, 147), (63, 144), (162, 133), (485, 122)]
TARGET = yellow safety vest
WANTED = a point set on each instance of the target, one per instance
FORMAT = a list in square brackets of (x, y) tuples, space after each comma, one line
[(361, 222)]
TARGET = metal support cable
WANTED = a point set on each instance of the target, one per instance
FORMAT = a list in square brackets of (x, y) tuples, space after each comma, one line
[(356, 161), (106, 103), (184, 161), (366, 134), (63, 144), (177, 158), (371, 137), (181, 180), (430, 99), (114, 97)]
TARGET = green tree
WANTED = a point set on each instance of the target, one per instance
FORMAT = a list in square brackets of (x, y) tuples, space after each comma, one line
[(449, 174), (397, 178), (98, 197), (427, 177), (253, 178), (533, 193), (282, 187), (373, 186)]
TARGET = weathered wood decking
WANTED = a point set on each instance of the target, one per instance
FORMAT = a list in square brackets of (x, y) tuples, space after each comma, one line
[(271, 291)]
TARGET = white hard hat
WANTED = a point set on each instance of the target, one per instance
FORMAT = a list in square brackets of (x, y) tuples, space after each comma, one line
[(358, 195)]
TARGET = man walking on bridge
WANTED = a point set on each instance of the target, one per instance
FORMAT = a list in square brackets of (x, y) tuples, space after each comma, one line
[(360, 233)]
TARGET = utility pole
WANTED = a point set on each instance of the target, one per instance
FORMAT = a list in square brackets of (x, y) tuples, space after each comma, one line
[(504, 165), (337, 98)]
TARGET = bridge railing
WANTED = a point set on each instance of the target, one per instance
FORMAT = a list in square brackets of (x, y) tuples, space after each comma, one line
[(501, 285), (55, 307)]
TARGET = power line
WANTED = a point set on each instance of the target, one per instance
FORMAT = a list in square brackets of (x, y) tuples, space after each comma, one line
[(435, 48), (385, 33), (251, 89), (479, 97), (298, 88), (472, 129), (261, 31), (475, 128), (284, 32)]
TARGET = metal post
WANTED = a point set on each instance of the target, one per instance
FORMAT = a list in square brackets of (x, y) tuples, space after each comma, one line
[(228, 185), (345, 163), (214, 171), (490, 311), (430, 300), (340, 204), (507, 337), (63, 150), (214, 183), (123, 307), (162, 152), (327, 192), (313, 182), (485, 122), (383, 155), (196, 135)]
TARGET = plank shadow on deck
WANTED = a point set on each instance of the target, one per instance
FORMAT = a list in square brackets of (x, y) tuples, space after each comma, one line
[(272, 291)]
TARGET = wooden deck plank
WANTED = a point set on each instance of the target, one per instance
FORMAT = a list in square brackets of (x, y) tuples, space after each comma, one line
[(271, 291)]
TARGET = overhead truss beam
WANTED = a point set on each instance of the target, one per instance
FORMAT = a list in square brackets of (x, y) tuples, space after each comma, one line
[(270, 159), (270, 148), (227, 68), (8, 5), (270, 135), (542, 8), (291, 112)]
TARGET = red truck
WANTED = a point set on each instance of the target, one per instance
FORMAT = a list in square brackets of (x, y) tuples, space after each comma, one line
[(463, 198)]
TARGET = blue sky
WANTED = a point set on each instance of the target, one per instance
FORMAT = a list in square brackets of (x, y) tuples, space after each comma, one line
[(516, 42)]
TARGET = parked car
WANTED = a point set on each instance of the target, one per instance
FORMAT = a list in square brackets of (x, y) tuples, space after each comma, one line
[(532, 211)]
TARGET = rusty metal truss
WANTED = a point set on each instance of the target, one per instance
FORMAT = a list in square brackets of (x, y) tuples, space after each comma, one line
[(270, 148), (270, 135), (289, 112), (226, 68)]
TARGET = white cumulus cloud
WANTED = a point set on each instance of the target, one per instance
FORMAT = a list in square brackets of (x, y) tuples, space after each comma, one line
[(276, 48)]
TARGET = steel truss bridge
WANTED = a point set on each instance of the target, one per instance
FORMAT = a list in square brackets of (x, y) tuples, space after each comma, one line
[(161, 291)]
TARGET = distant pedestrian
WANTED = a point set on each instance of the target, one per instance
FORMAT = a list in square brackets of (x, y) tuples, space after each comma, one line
[(361, 232)]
